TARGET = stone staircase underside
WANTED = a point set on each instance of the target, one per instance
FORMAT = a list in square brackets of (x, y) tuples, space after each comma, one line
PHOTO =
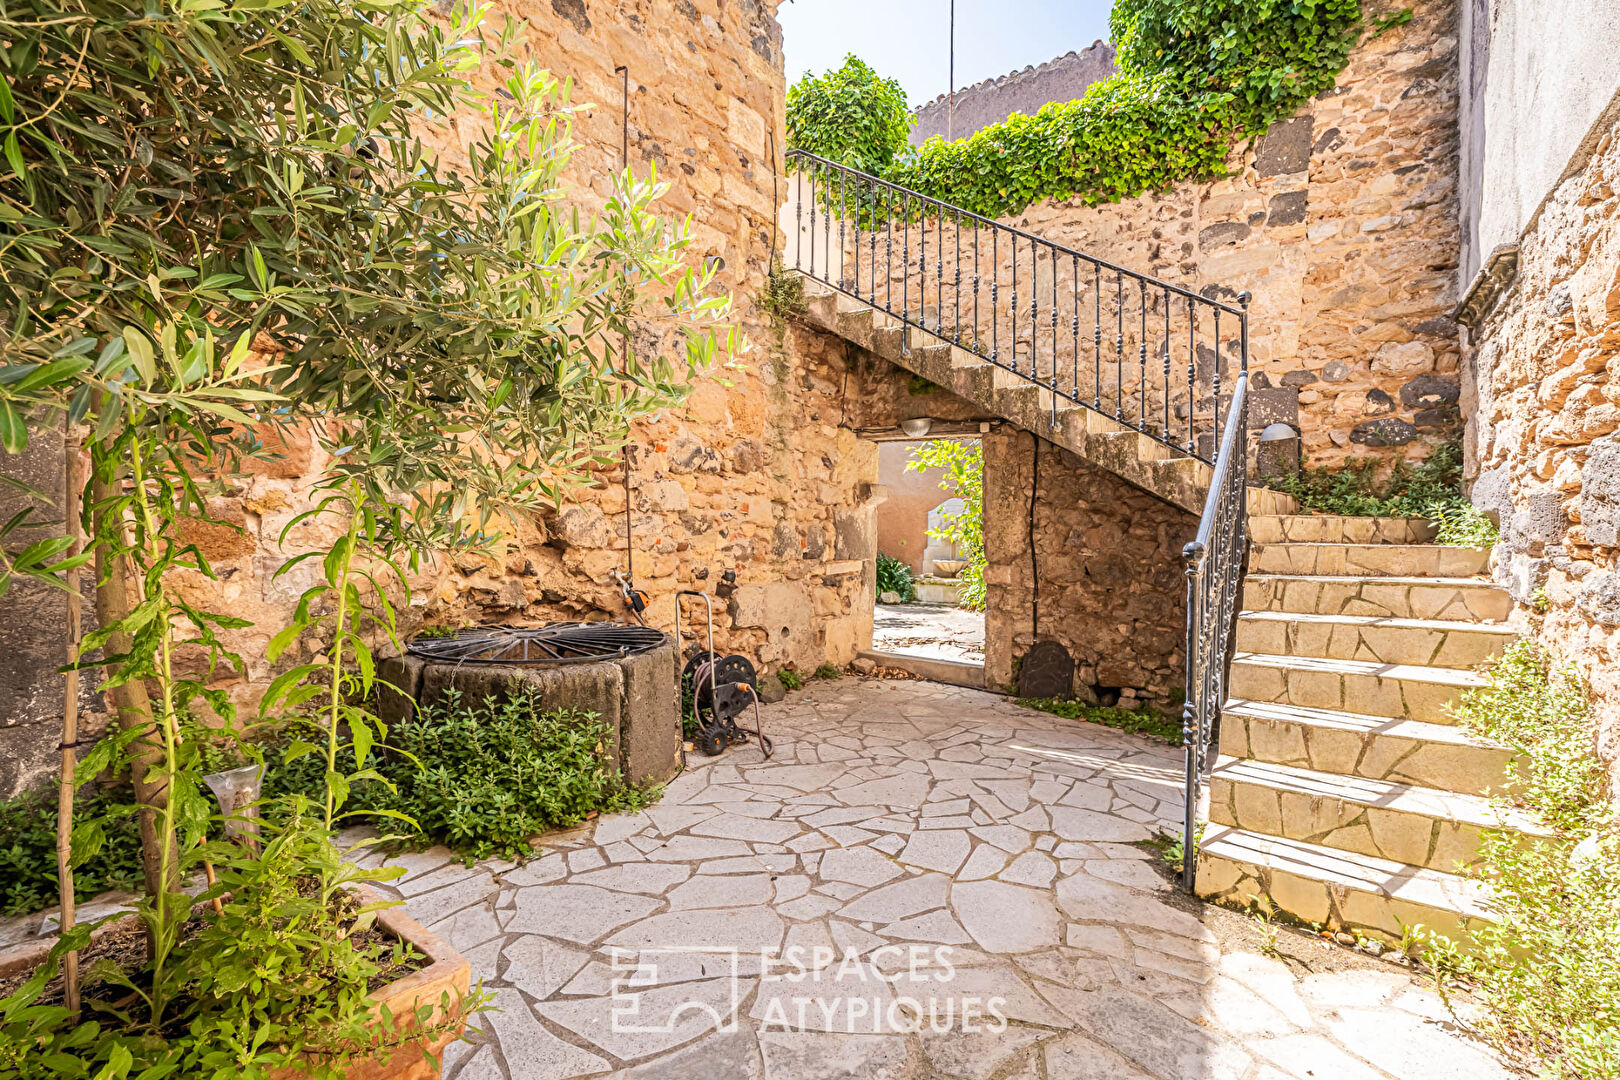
[(1345, 794), (1098, 439)]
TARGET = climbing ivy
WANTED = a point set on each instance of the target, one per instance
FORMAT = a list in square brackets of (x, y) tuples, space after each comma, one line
[(1194, 76)]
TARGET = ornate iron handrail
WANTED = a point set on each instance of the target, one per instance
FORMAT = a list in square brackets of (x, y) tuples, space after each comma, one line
[(1039, 296), (1214, 567)]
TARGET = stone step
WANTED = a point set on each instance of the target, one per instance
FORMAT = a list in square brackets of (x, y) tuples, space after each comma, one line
[(1438, 756), (1368, 560), (1384, 639), (1404, 691), (1337, 889), (1337, 529), (1399, 597), (1415, 825)]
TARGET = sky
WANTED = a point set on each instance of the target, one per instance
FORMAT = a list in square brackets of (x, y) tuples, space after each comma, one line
[(909, 39)]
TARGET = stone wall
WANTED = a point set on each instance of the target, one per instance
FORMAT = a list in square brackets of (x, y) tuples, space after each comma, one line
[(1543, 398), (1108, 560), (993, 100), (1342, 223)]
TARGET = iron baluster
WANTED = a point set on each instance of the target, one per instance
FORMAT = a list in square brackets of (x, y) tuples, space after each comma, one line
[(995, 288), (1166, 427), (1074, 326), (1012, 308), (1054, 321), (939, 273), (905, 261), (1096, 337), (826, 238), (1034, 311), (956, 288), (922, 264), (798, 214), (1192, 369), (1119, 345), (1141, 352), (888, 255), (1215, 387), (976, 346), (812, 218), (843, 212)]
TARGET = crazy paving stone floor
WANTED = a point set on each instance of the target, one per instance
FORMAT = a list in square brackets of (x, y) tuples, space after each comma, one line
[(911, 850)]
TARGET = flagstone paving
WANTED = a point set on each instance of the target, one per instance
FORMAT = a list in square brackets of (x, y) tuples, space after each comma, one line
[(909, 849)]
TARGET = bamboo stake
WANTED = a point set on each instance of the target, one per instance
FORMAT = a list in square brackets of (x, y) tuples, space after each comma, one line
[(70, 717)]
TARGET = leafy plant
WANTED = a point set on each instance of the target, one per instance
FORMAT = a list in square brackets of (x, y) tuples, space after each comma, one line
[(790, 679), (1142, 720), (1430, 489), (487, 777), (280, 971), (851, 115), (1463, 525), (963, 462), (28, 850), (1193, 76), (829, 671), (894, 576), (783, 296), (1548, 966)]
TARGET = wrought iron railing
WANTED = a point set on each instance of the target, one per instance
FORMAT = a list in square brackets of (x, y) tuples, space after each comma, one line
[(1214, 569), (1149, 354)]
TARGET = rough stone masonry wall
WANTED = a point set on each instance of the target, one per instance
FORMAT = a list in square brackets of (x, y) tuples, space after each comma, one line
[(751, 491), (1342, 222), (1543, 398), (1108, 558)]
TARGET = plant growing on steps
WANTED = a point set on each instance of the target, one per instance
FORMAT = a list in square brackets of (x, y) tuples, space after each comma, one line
[(963, 463), (1548, 967), (1430, 489), (894, 576)]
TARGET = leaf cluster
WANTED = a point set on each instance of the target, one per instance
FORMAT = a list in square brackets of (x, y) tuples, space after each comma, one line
[(1142, 720), (28, 850), (896, 577), (1430, 489)]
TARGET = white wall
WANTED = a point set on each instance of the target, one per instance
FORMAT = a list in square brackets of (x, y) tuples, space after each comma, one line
[(1536, 77)]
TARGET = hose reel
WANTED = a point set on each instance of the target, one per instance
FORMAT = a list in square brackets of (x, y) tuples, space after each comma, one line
[(721, 690)]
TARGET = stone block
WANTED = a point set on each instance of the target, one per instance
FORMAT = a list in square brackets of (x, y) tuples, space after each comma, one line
[(1276, 406), (1429, 391), (1600, 494), (1285, 147), (1288, 208), (1388, 431), (400, 684)]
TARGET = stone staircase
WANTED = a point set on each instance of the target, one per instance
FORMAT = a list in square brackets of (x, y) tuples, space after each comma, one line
[(1344, 792), (1094, 437)]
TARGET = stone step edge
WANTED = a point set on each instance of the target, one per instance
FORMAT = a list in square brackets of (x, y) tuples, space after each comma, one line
[(1458, 677), (1394, 795), (1415, 885), (1392, 727), (1268, 576), (1388, 622)]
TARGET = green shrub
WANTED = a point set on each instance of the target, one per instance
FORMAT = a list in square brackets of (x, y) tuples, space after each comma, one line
[(829, 671), (851, 115), (1430, 489), (495, 773), (28, 849), (1548, 968), (1142, 720), (1194, 76), (896, 577), (790, 679)]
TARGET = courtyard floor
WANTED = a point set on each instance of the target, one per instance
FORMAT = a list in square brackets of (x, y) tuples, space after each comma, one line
[(935, 631), (909, 849)]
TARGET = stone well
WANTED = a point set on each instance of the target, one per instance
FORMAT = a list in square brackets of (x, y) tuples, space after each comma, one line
[(635, 696)]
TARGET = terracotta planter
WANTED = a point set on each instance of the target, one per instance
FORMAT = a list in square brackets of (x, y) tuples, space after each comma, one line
[(447, 971)]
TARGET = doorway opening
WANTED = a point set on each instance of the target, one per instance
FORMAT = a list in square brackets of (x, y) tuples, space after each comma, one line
[(930, 585)]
